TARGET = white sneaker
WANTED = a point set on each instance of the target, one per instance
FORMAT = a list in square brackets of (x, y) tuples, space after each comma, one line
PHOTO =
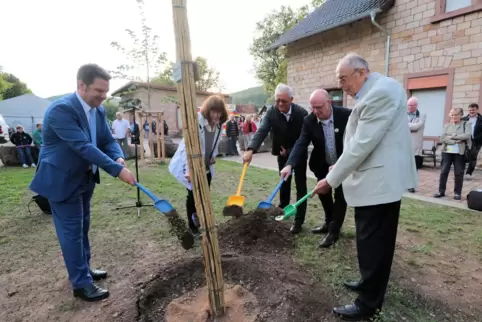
[(25, 166), (33, 165)]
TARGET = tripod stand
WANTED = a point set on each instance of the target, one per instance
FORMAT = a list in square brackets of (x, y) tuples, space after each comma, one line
[(136, 138)]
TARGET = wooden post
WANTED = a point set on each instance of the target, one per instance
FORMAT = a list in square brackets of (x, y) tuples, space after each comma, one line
[(151, 143), (158, 136), (163, 141), (186, 91), (140, 117)]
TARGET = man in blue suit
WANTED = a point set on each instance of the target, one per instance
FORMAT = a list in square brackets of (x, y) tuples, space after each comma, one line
[(77, 142)]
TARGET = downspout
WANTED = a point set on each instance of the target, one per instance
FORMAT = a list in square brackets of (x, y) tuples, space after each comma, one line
[(373, 14)]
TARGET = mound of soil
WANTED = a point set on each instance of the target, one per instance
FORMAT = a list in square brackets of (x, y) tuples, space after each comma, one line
[(283, 290), (256, 231)]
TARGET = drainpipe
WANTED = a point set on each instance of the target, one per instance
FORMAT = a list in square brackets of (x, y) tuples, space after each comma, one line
[(373, 14)]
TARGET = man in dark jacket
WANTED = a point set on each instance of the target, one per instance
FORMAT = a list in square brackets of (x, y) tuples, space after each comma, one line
[(23, 143), (232, 132), (284, 120), (475, 120), (324, 127)]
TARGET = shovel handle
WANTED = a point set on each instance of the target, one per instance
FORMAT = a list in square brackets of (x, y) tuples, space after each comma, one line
[(271, 197), (299, 202), (146, 191), (241, 180)]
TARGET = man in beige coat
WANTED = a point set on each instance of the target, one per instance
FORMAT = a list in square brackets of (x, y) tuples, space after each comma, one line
[(416, 123), (376, 169)]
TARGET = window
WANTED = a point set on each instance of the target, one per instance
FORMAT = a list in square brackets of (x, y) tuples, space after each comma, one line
[(452, 5), (336, 96), (448, 9)]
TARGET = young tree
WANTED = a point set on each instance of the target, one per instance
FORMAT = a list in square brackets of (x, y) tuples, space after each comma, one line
[(271, 67), (145, 58)]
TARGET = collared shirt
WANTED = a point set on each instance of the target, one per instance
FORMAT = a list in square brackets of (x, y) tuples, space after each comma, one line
[(287, 115), (357, 96), (330, 144), (85, 106), (411, 116), (473, 120)]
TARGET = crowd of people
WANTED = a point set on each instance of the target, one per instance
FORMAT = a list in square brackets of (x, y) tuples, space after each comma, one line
[(365, 157)]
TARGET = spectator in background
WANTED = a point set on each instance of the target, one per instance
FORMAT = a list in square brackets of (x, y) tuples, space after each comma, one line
[(456, 137), (23, 141), (242, 142), (232, 133), (475, 121), (37, 137), (249, 129), (416, 123), (134, 131), (256, 120), (120, 130)]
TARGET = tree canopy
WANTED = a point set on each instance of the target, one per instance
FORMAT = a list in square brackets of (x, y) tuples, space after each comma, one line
[(271, 67), (11, 86)]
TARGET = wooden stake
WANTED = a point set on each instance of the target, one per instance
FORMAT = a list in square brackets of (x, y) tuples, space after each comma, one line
[(151, 143), (158, 136), (140, 121), (186, 91)]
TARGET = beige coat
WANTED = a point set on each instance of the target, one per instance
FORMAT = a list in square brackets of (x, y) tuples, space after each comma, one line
[(417, 126), (454, 133), (377, 164)]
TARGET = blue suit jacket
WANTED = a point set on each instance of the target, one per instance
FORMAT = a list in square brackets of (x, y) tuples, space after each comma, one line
[(68, 152)]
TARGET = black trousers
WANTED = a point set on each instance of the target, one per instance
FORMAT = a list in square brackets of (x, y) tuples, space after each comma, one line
[(419, 161), (459, 166), (376, 234), (473, 160), (232, 147), (301, 188), (335, 210), (191, 206)]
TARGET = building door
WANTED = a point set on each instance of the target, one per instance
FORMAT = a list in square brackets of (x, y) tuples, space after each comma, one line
[(432, 102)]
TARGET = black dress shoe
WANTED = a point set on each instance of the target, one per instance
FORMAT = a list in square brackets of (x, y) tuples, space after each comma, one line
[(353, 285), (295, 229), (457, 197), (329, 240), (411, 190), (91, 293), (351, 312), (439, 195), (98, 274), (320, 230)]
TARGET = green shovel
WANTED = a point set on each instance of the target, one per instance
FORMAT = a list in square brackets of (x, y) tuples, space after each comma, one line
[(290, 210)]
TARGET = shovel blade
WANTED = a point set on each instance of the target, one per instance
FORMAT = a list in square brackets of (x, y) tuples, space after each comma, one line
[(289, 211), (265, 205), (163, 206), (236, 201)]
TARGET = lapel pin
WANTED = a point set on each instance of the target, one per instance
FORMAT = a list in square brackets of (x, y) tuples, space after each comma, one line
[(336, 130)]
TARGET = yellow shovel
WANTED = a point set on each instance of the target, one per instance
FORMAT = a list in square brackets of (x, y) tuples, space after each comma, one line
[(234, 205)]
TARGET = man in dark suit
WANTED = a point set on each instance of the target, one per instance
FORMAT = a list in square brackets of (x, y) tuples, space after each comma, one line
[(77, 142), (284, 120), (324, 127), (475, 120)]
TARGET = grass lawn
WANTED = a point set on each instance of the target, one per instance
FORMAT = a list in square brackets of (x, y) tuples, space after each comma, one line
[(437, 274)]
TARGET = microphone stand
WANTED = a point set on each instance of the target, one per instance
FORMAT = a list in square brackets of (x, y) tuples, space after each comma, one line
[(136, 138)]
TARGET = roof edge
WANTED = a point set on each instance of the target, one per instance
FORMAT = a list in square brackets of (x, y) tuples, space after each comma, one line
[(366, 14)]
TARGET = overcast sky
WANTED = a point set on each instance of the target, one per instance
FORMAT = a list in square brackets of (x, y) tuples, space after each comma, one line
[(44, 42)]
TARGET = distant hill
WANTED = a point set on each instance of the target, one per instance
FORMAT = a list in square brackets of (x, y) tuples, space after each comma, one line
[(253, 95), (56, 97)]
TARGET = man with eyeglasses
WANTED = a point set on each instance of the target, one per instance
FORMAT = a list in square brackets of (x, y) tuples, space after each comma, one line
[(284, 120), (375, 168), (324, 127)]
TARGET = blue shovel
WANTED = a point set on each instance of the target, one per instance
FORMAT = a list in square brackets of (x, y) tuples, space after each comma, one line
[(160, 204), (266, 204)]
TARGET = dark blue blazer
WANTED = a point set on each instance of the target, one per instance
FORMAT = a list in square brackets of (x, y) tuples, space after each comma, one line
[(67, 151)]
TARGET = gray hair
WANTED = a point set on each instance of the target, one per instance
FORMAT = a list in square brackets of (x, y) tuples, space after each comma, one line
[(283, 88), (355, 61)]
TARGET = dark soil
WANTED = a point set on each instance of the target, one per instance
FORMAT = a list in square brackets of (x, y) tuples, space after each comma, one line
[(233, 211), (256, 231), (178, 228), (284, 291), (257, 256)]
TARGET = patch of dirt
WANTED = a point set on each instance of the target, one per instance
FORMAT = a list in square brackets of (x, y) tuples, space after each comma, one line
[(284, 291), (446, 275), (240, 306), (257, 231)]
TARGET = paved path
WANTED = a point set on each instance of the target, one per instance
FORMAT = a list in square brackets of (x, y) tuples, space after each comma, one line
[(428, 181)]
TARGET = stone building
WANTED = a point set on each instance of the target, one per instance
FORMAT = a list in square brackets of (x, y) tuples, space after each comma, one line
[(162, 98), (435, 50)]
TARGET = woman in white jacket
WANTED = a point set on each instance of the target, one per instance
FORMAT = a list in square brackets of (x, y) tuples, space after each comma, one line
[(212, 115)]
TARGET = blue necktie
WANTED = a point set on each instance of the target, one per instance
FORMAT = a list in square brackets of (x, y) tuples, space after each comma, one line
[(93, 133)]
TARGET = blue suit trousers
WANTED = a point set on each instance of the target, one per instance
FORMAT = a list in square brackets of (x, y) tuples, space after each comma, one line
[(72, 221)]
